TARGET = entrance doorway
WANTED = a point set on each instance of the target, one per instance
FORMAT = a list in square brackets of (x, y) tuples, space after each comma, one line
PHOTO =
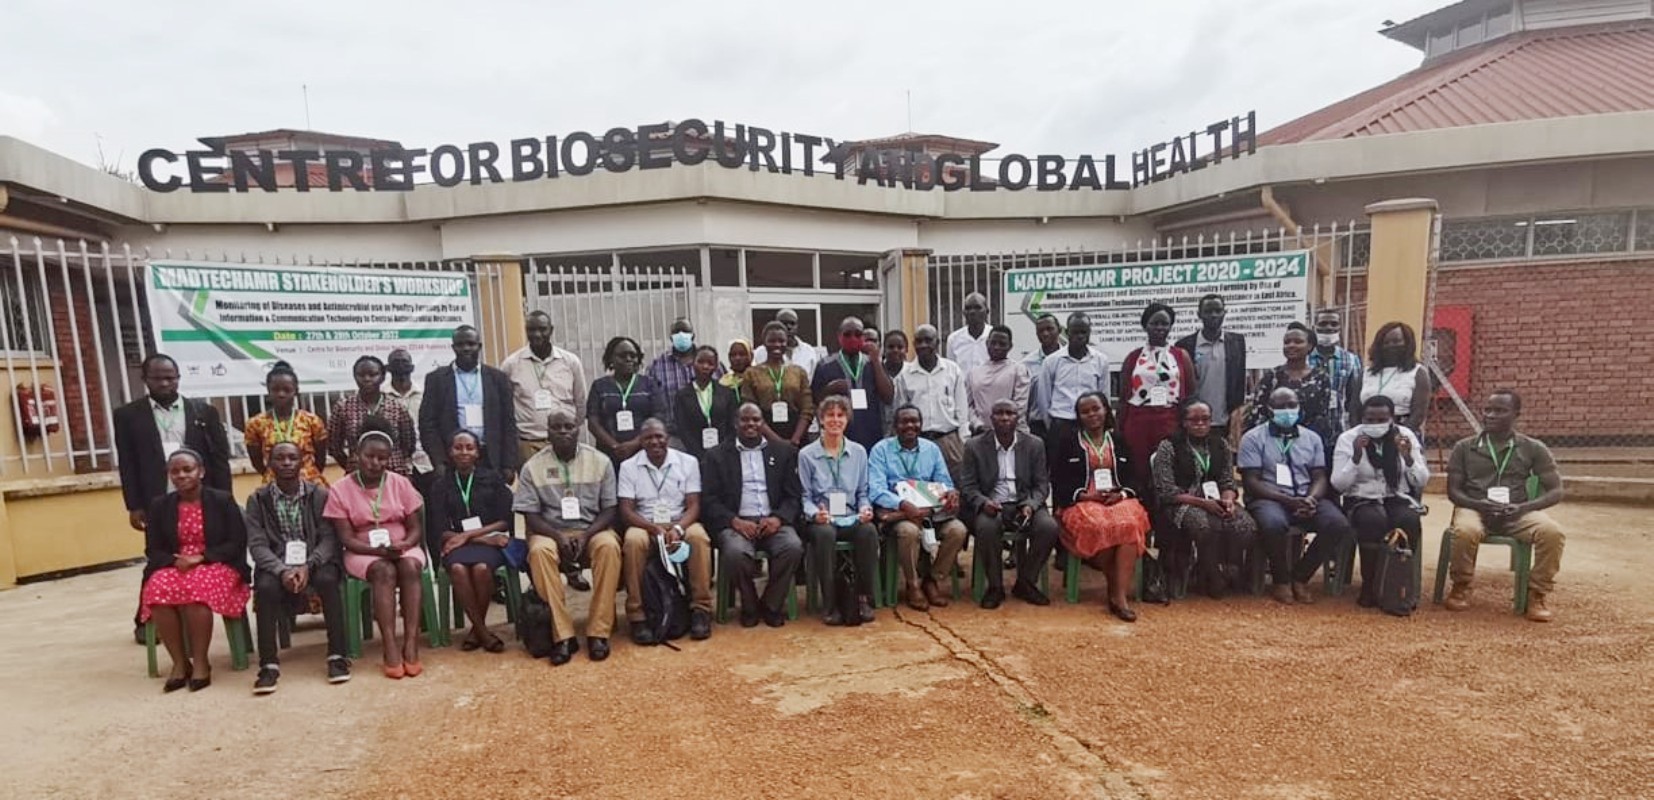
[(817, 322)]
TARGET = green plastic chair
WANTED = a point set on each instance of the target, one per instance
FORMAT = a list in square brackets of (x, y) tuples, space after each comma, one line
[(452, 615), (812, 581), (359, 625), (724, 591), (1333, 577), (236, 630), (1521, 558), (890, 566), (979, 573)]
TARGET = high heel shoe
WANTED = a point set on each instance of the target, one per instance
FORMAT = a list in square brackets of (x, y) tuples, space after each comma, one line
[(198, 685), (412, 668), (1124, 613), (396, 672), (174, 684)]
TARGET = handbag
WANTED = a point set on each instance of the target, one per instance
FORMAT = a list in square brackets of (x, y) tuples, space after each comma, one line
[(1397, 595)]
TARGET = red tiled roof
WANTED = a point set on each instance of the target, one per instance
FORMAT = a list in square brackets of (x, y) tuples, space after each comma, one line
[(1534, 75), (950, 143), (343, 141)]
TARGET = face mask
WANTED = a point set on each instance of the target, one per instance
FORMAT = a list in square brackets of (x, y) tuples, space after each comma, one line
[(682, 341), (1376, 430), (1327, 339), (1286, 417), (851, 344)]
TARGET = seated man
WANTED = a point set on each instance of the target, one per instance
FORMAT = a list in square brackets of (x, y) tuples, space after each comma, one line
[(1005, 483), (1487, 480), (752, 497), (1283, 468), (906, 458), (294, 551), (660, 499), (566, 493)]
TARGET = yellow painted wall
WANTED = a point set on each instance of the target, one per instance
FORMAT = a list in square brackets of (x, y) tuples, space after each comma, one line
[(20, 372)]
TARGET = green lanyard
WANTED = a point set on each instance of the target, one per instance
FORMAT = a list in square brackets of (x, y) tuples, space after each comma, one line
[(1383, 382), (626, 393), (910, 465), (1494, 454), (465, 491), (705, 398), (833, 465), (373, 505), (540, 372), (776, 375), (1204, 460), (855, 374), (1096, 449), (290, 511), (287, 434), (563, 467), (164, 419), (1285, 444)]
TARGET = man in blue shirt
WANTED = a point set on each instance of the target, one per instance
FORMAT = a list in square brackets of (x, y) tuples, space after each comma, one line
[(916, 513), (1283, 467), (858, 373), (1066, 375)]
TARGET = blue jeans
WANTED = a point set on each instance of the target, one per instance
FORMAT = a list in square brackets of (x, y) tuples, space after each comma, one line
[(1331, 529)]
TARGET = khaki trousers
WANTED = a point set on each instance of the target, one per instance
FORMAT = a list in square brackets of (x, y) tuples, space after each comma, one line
[(635, 548), (950, 537), (545, 569), (527, 449), (1535, 528), (953, 454)]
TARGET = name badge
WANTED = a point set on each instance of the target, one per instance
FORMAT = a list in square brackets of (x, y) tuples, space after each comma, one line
[(660, 515), (623, 421), (1498, 494), (542, 400), (379, 537), (709, 438), (571, 508), (838, 503), (858, 399), (1103, 479), (1210, 489), (473, 414), (1160, 396), (1283, 475), (296, 554), (470, 524), (778, 411)]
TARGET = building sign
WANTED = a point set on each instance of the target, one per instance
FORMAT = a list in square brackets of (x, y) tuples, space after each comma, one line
[(689, 142), (226, 324), (1262, 294)]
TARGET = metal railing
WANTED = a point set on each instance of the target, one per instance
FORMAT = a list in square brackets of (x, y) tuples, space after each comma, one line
[(589, 305)]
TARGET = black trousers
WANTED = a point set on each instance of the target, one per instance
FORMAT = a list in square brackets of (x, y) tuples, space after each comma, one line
[(1331, 530), (271, 601), (740, 557), (1373, 520), (1039, 539), (824, 539)]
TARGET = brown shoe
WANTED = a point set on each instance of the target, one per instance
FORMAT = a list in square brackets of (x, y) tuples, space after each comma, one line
[(1282, 593), (1537, 610), (1301, 593), (934, 593), (916, 598), (1458, 598)]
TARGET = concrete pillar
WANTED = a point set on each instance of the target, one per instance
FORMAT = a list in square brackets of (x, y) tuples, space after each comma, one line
[(8, 559), (500, 306), (1398, 272)]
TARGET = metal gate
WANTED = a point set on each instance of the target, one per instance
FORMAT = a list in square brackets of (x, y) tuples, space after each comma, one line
[(590, 305)]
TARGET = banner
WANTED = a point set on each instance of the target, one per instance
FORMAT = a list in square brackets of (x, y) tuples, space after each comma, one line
[(1261, 293), (225, 324)]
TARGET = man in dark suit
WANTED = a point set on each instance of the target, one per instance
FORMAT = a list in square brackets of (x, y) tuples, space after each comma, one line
[(473, 396), (1220, 363), (750, 497), (1005, 482), (148, 430)]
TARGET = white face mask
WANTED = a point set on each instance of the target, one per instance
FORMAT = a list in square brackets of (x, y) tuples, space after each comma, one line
[(1376, 430), (1327, 339)]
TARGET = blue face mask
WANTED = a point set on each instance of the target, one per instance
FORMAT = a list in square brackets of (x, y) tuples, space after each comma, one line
[(682, 341), (1286, 417)]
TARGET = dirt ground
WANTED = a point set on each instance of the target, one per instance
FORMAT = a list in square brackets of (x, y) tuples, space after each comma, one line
[(1202, 699)]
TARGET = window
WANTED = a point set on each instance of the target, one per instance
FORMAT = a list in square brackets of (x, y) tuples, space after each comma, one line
[(772, 270), (1542, 236), (1483, 239), (1440, 42), (1470, 33), (678, 262), (726, 267), (1560, 235), (24, 307), (1498, 23), (1645, 229), (849, 271)]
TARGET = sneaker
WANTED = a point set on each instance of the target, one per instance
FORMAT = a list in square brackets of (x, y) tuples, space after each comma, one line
[(338, 670), (266, 683), (700, 625)]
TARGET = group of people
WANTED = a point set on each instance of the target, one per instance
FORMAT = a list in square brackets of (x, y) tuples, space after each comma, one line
[(786, 453)]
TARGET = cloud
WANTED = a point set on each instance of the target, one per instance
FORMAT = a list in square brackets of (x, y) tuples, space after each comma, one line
[(25, 117)]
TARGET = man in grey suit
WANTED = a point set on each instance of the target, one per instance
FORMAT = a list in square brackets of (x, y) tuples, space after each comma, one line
[(1004, 484)]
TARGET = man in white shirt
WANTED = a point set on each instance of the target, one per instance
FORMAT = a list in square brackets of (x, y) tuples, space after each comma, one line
[(799, 352), (936, 387), (968, 346), (544, 378), (660, 499)]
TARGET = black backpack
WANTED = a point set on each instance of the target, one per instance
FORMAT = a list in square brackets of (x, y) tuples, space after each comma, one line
[(665, 604), (534, 625), (844, 593), (1397, 596)]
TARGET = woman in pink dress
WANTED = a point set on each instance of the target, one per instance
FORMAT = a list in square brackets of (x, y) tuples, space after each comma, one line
[(376, 513), (196, 545)]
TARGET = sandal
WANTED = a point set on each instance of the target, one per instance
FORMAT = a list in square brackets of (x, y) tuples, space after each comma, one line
[(469, 645), (495, 645)]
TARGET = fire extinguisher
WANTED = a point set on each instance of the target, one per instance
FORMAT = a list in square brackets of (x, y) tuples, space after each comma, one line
[(39, 409)]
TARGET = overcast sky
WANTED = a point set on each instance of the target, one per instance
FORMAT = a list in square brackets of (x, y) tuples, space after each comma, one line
[(1083, 76)]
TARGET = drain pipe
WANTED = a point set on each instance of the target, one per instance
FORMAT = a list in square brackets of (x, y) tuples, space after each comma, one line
[(1320, 251)]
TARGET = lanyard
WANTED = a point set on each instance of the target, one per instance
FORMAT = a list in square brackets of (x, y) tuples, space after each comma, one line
[(379, 494), (290, 512), (776, 375), (704, 396), (854, 374), (1494, 454), (563, 467), (473, 392), (1203, 459), (164, 420), (283, 435), (660, 485), (1098, 450), (465, 491), (539, 371), (626, 393), (833, 465), (1383, 382), (373, 409), (1285, 444), (910, 465)]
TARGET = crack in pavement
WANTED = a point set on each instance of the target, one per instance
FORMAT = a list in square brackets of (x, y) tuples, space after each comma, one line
[(1088, 756)]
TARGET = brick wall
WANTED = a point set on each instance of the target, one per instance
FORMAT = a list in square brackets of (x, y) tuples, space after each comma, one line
[(82, 432)]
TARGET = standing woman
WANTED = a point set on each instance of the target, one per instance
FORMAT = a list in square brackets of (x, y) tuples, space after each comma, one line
[(1313, 386), (740, 360), (1158, 378), (1103, 524), (376, 512), (619, 402), (1194, 484), (345, 423), (470, 524), (781, 390), (286, 422), (1378, 466), (705, 409), (195, 545), (1394, 371)]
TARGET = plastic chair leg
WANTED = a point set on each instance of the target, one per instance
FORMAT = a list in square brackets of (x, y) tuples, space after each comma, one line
[(1443, 562), (428, 616), (149, 643), (721, 600), (513, 593), (237, 631), (1071, 578), (1523, 553)]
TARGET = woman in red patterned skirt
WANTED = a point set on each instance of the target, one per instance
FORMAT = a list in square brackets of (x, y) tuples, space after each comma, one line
[(196, 545), (1102, 522)]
